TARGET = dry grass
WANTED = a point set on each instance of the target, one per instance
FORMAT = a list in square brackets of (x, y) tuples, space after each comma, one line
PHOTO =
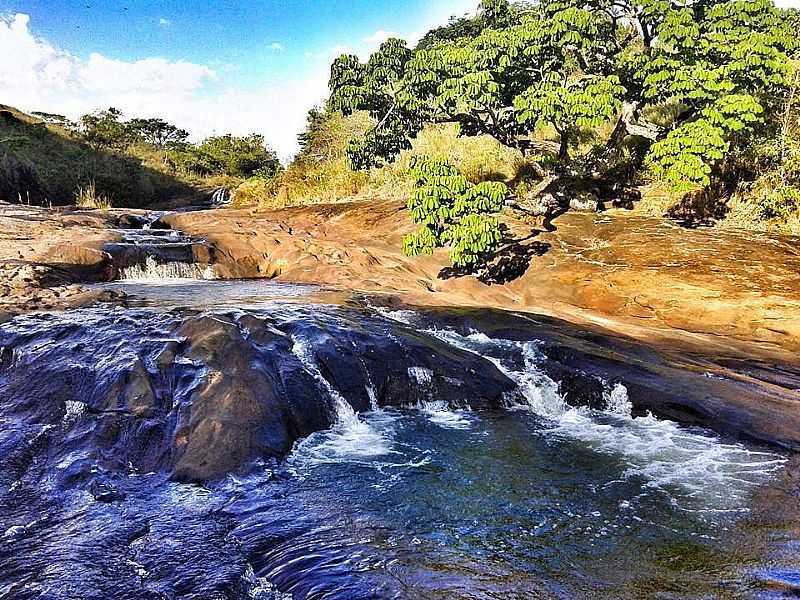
[(330, 178), (744, 213), (87, 197), (658, 199)]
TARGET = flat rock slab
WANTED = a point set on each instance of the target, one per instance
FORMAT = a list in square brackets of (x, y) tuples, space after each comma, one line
[(727, 292)]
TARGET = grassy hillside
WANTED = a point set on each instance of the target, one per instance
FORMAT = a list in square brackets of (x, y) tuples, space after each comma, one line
[(45, 164)]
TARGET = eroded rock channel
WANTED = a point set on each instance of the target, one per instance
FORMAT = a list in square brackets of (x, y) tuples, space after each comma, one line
[(242, 440), (248, 439)]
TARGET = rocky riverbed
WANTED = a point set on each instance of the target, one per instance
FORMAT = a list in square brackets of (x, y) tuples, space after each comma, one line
[(398, 431), (723, 305)]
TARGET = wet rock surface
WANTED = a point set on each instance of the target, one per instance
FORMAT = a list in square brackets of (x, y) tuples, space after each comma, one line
[(731, 321), (152, 445), (755, 399), (197, 397)]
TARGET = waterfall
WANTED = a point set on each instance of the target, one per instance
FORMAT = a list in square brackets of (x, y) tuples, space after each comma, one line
[(221, 197), (535, 390), (345, 414), (438, 411), (350, 436), (152, 270)]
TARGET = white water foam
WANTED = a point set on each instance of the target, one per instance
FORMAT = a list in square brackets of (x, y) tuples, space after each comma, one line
[(406, 317), (535, 390), (717, 474), (437, 411), (153, 271), (617, 400), (260, 588), (350, 435)]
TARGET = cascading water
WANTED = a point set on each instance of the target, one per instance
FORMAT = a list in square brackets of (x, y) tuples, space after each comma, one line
[(660, 451), (153, 255), (351, 436), (438, 411), (392, 486), (154, 271), (221, 197)]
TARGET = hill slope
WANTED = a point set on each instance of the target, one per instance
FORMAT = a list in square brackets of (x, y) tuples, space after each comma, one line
[(44, 164)]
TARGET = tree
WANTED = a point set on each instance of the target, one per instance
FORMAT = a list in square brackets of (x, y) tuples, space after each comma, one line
[(55, 119), (157, 132), (241, 156), (225, 155), (105, 130), (327, 134), (537, 79)]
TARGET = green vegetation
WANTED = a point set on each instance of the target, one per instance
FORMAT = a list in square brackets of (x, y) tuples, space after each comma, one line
[(566, 67), (105, 160), (105, 130), (589, 92), (45, 163), (157, 132), (453, 212), (322, 172), (774, 165), (228, 155)]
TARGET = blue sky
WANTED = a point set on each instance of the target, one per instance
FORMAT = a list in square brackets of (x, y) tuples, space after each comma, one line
[(241, 35), (194, 61)]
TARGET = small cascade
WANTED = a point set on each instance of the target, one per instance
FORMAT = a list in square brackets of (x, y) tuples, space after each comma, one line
[(152, 270), (535, 390), (152, 255), (221, 197), (617, 400), (350, 436), (438, 411), (661, 451)]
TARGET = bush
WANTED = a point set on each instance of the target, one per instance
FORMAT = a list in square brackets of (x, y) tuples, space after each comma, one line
[(225, 155), (321, 172)]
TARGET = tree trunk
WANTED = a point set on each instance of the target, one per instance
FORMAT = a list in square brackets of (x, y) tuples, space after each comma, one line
[(628, 124)]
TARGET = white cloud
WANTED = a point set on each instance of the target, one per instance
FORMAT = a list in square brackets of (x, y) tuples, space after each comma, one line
[(276, 47), (43, 77), (379, 37), (788, 3), (162, 22)]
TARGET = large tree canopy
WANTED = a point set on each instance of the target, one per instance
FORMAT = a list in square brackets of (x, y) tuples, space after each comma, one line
[(562, 67)]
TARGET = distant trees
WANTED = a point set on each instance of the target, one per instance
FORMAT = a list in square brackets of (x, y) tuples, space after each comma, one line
[(105, 130), (230, 155), (56, 119), (157, 132), (235, 156)]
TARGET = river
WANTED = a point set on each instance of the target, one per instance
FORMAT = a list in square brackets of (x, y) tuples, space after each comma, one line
[(219, 439)]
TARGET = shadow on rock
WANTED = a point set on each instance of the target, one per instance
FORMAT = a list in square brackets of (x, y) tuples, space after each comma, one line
[(510, 262)]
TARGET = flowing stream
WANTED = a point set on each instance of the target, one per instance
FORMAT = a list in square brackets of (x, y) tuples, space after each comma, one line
[(356, 452)]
